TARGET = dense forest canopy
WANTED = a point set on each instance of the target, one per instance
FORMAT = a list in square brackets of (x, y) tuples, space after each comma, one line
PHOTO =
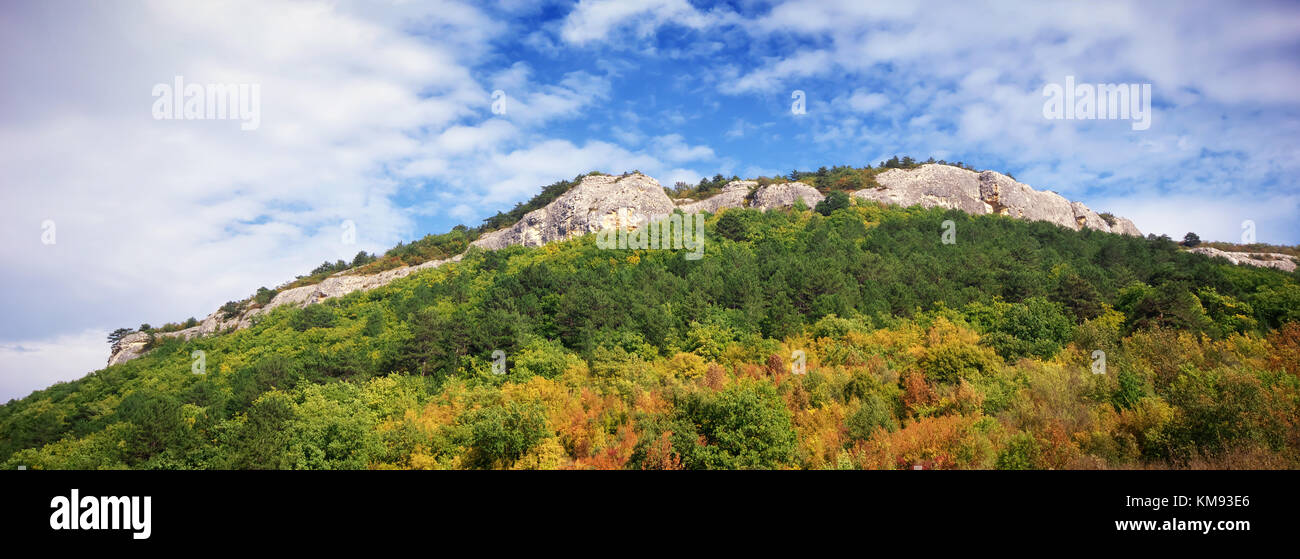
[(983, 353)]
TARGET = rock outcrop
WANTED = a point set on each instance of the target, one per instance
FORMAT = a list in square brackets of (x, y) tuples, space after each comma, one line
[(596, 202), (783, 195), (989, 192), (930, 186), (129, 347), (743, 194), (134, 345), (1262, 259), (733, 195), (1125, 227), (1006, 196), (592, 205)]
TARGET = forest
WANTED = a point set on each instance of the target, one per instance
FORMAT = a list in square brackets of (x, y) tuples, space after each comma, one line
[(850, 340)]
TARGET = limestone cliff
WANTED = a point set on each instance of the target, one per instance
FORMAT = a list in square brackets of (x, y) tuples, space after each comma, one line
[(989, 192), (1262, 259), (590, 206)]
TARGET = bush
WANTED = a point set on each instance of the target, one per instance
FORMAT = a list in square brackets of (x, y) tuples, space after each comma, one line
[(951, 362), (873, 414), (263, 296), (735, 224), (1036, 327), (500, 435), (1021, 453), (543, 358), (836, 200), (230, 309), (743, 427), (312, 316)]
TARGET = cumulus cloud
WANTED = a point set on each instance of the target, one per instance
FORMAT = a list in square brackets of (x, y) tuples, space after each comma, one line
[(159, 219), (593, 20), (27, 365)]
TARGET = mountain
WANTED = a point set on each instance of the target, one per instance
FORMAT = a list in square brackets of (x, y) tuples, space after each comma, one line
[(818, 329), (595, 201)]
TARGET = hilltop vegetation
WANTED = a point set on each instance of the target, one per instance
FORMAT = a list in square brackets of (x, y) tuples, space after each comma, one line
[(978, 354)]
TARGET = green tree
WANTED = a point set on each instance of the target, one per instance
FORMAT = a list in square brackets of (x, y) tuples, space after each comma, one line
[(743, 427), (117, 335), (500, 435), (834, 201)]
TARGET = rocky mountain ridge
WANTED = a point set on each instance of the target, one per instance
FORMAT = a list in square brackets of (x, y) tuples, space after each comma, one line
[(597, 200), (987, 192)]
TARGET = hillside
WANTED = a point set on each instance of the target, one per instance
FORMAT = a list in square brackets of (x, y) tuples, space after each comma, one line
[(979, 353), (596, 201)]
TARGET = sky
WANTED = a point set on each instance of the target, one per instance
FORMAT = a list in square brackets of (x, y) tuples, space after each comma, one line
[(376, 124)]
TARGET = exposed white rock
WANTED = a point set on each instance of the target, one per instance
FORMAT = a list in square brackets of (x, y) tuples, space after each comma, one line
[(337, 285), (783, 195), (593, 204), (742, 194), (1125, 227), (731, 196), (1008, 197), (1085, 217), (929, 186), (1265, 260), (129, 347), (945, 186)]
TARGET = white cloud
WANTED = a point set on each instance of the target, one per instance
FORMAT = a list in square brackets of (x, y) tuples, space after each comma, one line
[(1218, 219), (864, 102), (674, 148), (35, 364), (594, 20), (160, 219)]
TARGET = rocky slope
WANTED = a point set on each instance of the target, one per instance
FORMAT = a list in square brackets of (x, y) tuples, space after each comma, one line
[(596, 201), (988, 192), (1263, 259), (590, 206)]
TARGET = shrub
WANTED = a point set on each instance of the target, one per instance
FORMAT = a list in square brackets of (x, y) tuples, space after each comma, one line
[(1021, 453), (836, 200), (312, 316), (873, 414), (230, 309), (745, 426), (951, 362), (500, 435), (1035, 327), (263, 296), (543, 358)]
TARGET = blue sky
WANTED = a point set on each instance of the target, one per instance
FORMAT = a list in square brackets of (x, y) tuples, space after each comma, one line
[(380, 115)]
